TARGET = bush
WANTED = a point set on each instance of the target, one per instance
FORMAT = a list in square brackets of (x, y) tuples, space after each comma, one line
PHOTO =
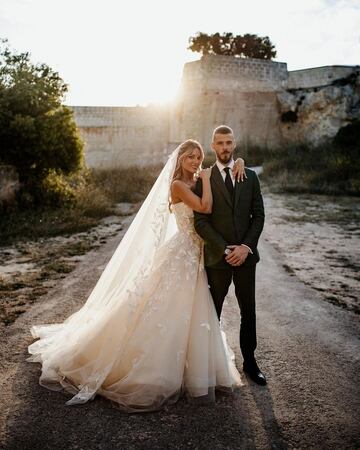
[(209, 160), (331, 168), (348, 138), (252, 154), (38, 134)]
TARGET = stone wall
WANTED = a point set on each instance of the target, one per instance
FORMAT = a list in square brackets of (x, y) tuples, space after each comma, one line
[(317, 76), (265, 104), (119, 136), (238, 92), (253, 116), (221, 73)]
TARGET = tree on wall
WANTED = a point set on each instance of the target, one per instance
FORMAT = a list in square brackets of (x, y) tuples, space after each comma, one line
[(38, 134), (246, 46)]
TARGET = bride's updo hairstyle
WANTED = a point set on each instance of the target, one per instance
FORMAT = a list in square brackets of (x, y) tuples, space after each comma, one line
[(185, 149)]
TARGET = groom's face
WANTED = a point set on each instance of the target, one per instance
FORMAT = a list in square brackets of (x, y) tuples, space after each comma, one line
[(224, 146)]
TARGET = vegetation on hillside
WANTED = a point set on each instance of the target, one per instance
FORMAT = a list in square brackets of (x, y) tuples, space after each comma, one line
[(329, 168)]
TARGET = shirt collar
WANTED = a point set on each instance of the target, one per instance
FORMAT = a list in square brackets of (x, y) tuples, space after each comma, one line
[(222, 166)]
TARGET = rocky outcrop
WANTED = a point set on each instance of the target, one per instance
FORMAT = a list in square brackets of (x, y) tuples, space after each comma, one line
[(313, 115)]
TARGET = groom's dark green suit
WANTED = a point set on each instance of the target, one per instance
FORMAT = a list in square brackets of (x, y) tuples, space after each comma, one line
[(233, 221)]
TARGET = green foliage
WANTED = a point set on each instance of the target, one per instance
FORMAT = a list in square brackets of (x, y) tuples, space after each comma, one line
[(331, 168), (209, 160), (37, 133), (56, 190), (348, 138), (252, 154), (247, 45)]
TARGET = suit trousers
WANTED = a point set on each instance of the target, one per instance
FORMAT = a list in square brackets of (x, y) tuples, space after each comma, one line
[(244, 281)]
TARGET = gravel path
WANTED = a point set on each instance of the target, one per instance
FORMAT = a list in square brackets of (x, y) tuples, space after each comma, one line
[(307, 347)]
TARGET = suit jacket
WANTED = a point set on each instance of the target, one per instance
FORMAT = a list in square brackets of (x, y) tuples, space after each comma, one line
[(231, 222)]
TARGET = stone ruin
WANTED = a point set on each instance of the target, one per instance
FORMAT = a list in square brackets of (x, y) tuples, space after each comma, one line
[(265, 104)]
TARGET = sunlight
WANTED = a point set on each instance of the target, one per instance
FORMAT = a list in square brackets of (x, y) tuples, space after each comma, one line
[(127, 53)]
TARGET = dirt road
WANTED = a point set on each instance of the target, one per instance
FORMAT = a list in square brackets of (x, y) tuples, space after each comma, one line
[(308, 349)]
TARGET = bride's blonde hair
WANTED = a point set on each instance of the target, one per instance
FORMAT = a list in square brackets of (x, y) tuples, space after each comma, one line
[(185, 149)]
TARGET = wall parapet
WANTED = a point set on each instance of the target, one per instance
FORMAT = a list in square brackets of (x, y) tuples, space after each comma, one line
[(318, 76), (229, 72)]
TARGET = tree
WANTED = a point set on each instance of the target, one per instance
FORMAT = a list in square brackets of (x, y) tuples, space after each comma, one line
[(38, 134), (246, 46)]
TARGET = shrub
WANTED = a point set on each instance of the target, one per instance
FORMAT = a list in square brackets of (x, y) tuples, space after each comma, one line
[(330, 168), (38, 134)]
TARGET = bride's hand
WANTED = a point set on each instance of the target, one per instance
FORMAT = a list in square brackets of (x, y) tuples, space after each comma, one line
[(205, 174), (239, 170)]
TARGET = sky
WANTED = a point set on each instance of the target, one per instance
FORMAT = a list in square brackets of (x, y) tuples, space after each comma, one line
[(125, 53)]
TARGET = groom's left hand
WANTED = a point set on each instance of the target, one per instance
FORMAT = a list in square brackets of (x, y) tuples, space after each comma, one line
[(238, 254)]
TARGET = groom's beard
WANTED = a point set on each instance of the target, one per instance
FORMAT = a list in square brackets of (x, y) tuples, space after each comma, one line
[(225, 157)]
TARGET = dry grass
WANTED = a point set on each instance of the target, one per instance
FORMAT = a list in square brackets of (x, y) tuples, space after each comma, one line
[(129, 185), (96, 194), (32, 237), (325, 169)]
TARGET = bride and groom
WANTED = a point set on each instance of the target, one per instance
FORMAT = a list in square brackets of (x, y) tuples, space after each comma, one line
[(149, 330)]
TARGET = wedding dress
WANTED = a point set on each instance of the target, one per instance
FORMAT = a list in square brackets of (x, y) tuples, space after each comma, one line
[(155, 337)]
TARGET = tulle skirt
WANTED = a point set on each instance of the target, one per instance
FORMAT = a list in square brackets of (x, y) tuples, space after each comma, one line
[(158, 340)]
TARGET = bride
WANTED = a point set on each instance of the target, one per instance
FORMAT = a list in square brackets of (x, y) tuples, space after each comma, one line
[(149, 330)]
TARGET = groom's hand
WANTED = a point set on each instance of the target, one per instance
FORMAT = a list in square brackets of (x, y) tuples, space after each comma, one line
[(238, 254)]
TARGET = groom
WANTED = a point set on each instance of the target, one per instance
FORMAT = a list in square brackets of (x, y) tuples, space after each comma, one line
[(231, 233)]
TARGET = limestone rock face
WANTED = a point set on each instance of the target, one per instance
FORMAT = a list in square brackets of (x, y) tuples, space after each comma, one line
[(314, 115)]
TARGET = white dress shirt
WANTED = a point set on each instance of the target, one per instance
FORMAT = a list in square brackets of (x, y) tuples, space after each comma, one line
[(222, 171), (223, 174)]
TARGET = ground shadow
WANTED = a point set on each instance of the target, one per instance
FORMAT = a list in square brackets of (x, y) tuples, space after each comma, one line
[(44, 421)]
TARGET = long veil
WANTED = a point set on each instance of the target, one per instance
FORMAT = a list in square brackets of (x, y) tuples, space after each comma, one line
[(129, 265)]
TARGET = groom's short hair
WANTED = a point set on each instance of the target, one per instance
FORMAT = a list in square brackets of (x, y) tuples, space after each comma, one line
[(222, 129)]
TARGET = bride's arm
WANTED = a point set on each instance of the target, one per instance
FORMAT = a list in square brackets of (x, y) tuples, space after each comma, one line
[(205, 229), (202, 204), (239, 170)]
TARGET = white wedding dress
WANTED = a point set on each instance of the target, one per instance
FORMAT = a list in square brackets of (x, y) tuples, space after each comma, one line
[(149, 331)]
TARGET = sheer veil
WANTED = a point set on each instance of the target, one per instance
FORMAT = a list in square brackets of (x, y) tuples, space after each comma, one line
[(129, 265), (149, 329)]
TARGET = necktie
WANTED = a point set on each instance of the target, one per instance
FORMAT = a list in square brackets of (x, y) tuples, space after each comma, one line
[(228, 182)]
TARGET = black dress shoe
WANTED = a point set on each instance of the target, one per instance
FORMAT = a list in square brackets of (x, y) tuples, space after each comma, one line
[(254, 373)]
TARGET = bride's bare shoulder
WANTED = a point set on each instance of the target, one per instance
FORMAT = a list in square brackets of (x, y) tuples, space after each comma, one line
[(178, 186), (178, 182)]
